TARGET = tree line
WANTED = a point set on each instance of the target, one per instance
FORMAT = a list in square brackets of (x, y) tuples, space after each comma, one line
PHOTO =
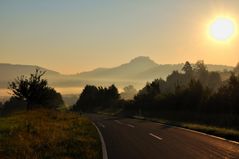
[(193, 94), (93, 98), (192, 90)]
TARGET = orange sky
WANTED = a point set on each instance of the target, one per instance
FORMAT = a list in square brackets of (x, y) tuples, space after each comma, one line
[(74, 36)]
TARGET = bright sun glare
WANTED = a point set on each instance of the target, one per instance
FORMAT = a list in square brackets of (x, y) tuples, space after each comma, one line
[(222, 29)]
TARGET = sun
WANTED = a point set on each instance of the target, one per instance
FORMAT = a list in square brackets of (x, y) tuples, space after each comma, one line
[(222, 29)]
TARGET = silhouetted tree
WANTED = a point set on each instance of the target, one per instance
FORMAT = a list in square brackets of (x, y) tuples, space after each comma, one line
[(200, 67), (1, 108), (174, 80), (214, 81), (146, 97), (35, 91), (113, 93), (236, 69), (151, 89), (93, 98), (227, 97), (187, 68), (13, 105), (194, 95), (87, 99), (51, 98), (201, 72)]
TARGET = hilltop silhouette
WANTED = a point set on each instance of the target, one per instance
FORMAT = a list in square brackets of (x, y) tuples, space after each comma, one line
[(141, 68), (136, 72)]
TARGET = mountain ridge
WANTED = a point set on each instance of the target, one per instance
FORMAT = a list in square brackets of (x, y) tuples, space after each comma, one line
[(141, 67), (121, 71), (137, 71)]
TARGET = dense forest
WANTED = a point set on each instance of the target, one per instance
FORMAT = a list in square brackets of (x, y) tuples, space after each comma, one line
[(193, 94)]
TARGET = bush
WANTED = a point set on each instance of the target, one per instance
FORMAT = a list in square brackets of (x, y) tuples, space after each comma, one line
[(35, 91)]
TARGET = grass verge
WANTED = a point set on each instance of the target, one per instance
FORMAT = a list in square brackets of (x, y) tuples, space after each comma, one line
[(230, 134), (48, 134)]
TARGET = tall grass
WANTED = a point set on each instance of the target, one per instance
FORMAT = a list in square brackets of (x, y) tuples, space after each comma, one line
[(48, 134)]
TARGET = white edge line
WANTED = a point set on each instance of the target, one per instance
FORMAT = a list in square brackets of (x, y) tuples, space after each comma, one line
[(157, 137), (202, 133), (104, 151), (194, 131)]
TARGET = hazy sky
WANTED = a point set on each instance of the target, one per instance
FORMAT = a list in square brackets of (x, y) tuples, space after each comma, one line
[(71, 36)]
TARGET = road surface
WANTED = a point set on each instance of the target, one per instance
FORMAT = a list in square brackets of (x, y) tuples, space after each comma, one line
[(127, 138)]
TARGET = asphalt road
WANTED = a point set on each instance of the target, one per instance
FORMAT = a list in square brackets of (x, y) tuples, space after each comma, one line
[(127, 138)]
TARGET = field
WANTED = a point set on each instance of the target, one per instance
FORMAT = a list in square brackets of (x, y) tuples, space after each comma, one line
[(48, 134)]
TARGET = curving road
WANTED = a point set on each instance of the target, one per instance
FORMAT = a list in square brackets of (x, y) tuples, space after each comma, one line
[(127, 138)]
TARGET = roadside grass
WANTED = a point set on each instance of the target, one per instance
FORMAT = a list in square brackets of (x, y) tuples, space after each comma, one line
[(227, 133), (48, 134)]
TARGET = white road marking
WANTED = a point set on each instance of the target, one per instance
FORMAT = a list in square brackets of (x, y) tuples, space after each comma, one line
[(157, 137), (104, 151), (190, 130), (130, 125), (119, 122)]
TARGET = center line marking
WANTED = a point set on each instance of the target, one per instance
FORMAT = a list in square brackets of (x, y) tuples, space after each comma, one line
[(157, 137), (132, 126), (117, 121)]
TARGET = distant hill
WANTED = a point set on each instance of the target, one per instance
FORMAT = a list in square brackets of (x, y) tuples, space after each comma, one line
[(141, 68), (9, 72), (136, 72), (12, 70), (124, 71)]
